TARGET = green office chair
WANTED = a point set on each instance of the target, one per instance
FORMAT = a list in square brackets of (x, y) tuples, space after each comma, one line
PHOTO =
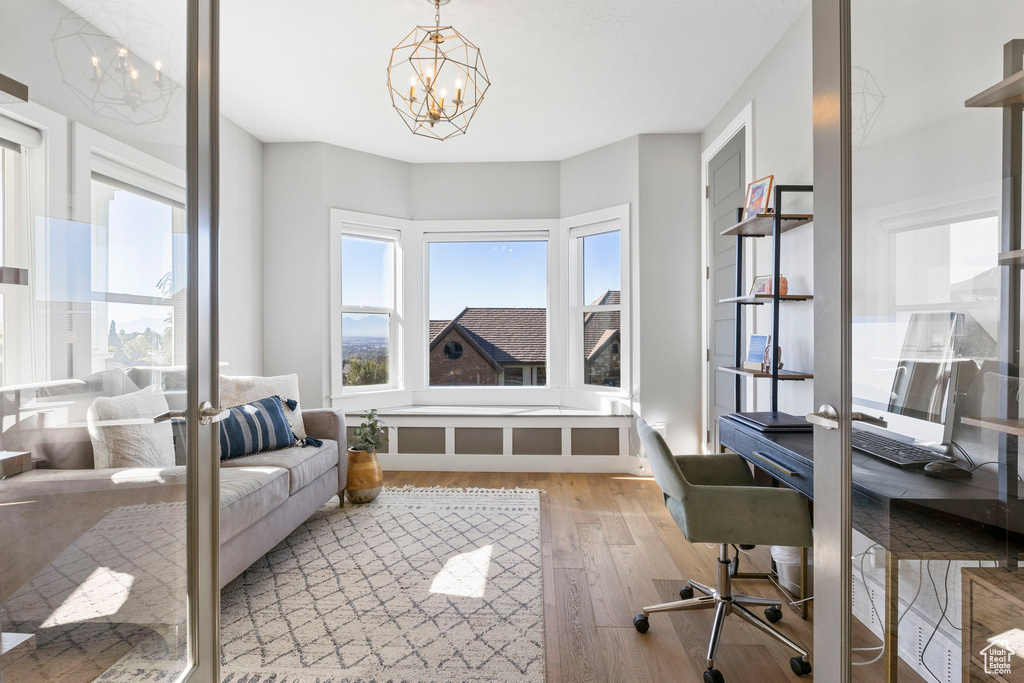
[(713, 500)]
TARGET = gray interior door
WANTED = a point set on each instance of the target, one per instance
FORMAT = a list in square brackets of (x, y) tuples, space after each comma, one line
[(726, 192)]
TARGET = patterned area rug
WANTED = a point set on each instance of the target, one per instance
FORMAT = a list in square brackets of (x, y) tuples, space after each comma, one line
[(420, 585)]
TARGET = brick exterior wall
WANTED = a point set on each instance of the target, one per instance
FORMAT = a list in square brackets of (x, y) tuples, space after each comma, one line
[(470, 369)]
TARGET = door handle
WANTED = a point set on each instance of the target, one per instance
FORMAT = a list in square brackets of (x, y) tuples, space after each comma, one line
[(207, 414), (828, 417)]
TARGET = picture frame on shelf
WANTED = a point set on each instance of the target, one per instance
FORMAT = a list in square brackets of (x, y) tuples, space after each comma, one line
[(762, 285), (759, 193), (756, 349)]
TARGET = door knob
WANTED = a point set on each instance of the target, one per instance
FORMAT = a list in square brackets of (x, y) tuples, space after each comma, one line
[(828, 417)]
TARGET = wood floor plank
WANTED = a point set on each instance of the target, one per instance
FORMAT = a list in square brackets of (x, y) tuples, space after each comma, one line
[(552, 662), (624, 655), (654, 552), (610, 607), (565, 543), (577, 632), (583, 507), (614, 526)]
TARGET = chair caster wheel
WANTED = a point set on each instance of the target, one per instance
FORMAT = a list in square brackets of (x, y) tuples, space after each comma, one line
[(686, 593), (640, 623), (773, 615), (800, 666), (713, 676)]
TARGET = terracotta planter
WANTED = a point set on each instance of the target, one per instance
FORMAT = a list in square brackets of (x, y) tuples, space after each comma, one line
[(364, 476)]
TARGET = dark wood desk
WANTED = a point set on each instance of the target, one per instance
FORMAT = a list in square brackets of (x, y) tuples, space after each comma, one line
[(911, 515)]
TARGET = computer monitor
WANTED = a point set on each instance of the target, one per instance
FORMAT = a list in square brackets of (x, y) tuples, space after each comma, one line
[(905, 369)]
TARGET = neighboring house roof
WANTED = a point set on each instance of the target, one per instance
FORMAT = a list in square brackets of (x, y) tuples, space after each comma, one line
[(518, 336), (600, 327), (507, 336)]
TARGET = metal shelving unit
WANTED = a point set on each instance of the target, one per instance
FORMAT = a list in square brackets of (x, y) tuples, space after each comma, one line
[(763, 225)]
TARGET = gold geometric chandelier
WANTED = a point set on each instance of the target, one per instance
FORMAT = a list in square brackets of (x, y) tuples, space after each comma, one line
[(446, 76)]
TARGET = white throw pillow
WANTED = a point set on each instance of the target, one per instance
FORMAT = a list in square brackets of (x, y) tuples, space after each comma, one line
[(130, 445), (236, 391)]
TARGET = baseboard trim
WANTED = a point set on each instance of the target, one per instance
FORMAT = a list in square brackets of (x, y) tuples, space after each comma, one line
[(510, 463)]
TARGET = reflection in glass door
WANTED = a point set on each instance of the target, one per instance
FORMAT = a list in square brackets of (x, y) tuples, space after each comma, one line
[(926, 174), (105, 311)]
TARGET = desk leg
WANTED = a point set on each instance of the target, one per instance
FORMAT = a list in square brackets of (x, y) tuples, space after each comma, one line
[(803, 584), (892, 608)]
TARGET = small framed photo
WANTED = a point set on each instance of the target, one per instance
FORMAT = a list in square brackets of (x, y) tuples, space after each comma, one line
[(759, 193), (756, 349), (762, 285)]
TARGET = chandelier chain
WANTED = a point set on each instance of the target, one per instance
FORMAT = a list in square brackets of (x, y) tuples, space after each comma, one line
[(437, 13)]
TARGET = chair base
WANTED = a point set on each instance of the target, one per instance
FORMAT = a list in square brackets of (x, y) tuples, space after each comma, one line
[(725, 602)]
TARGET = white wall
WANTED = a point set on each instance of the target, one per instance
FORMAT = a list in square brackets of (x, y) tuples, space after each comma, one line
[(670, 340), (659, 177), (485, 190), (780, 89), (241, 250)]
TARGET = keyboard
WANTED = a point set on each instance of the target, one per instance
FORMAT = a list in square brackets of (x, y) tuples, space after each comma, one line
[(892, 451)]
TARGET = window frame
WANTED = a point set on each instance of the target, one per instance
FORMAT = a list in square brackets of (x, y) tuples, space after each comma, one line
[(349, 227), (614, 219), (490, 231)]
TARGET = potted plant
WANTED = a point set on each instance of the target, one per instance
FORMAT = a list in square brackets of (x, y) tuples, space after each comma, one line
[(364, 476)]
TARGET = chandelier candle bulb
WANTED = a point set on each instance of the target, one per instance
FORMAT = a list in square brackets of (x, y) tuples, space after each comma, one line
[(122, 59), (158, 66), (96, 73)]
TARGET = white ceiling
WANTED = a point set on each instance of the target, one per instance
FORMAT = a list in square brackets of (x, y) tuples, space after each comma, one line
[(568, 75)]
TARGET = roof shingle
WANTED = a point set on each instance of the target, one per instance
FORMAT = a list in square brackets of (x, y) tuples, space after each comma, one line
[(508, 335)]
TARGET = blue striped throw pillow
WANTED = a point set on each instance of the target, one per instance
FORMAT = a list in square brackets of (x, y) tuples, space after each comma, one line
[(255, 427)]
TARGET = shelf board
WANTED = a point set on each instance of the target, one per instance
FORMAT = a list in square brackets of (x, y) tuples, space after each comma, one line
[(1014, 427), (783, 374), (758, 299), (1011, 258), (1006, 92), (762, 224)]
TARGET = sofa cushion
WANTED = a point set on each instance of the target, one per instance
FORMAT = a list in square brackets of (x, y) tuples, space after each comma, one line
[(116, 442), (247, 495), (55, 482), (234, 391), (255, 427), (304, 465)]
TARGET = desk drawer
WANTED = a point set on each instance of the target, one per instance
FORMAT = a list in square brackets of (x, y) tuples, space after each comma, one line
[(782, 466)]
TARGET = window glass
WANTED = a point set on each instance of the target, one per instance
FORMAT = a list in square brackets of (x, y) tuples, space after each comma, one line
[(367, 304), (138, 279), (488, 313), (602, 300), (366, 271), (602, 331), (602, 269)]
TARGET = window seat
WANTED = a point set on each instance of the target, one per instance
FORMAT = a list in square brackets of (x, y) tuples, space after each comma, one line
[(503, 438)]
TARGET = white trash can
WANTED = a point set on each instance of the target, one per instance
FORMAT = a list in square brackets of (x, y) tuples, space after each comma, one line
[(787, 564)]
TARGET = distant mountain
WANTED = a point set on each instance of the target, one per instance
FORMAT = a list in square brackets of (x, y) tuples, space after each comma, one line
[(156, 324), (364, 326)]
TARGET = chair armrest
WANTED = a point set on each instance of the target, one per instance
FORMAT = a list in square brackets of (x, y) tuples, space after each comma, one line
[(744, 515), (326, 423), (720, 469)]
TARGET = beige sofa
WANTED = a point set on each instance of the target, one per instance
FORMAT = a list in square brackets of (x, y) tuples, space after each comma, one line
[(263, 497)]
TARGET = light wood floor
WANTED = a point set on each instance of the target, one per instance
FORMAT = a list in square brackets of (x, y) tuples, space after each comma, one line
[(609, 548)]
